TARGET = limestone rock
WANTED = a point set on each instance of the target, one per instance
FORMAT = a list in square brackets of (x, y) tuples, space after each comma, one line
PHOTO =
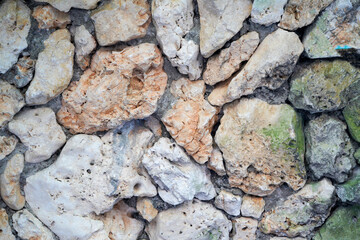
[(65, 5), (285, 238), (270, 66), (179, 179), (262, 145), (119, 86), (5, 228), (228, 202), (192, 220), (267, 12), (173, 20), (146, 209), (221, 66), (7, 145), (322, 85), (216, 162), (11, 101), (329, 151), (84, 45), (22, 72), (218, 96), (245, 228), (349, 191), (49, 17), (154, 125), (39, 132), (300, 13), (352, 116), (301, 212), (252, 206), (14, 28), (191, 119), (121, 20), (29, 227), (53, 70), (218, 24)]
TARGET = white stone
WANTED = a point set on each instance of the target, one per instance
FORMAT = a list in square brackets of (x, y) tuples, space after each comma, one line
[(252, 206), (39, 132), (11, 101), (84, 44), (216, 162), (245, 229), (5, 229), (228, 202), (7, 145), (267, 12), (65, 5)]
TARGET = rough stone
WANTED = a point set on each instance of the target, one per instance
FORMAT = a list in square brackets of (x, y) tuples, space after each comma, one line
[(357, 155), (173, 20), (119, 86), (179, 179), (221, 66), (5, 228), (252, 206), (7, 145), (22, 72), (228, 202), (84, 44), (218, 95), (302, 212), (11, 101), (14, 28), (352, 117), (350, 190), (39, 132), (267, 12), (216, 162), (146, 209), (244, 228), (270, 66), (65, 5), (53, 70), (121, 20), (192, 220), (262, 145), (154, 125), (322, 85), (285, 238), (218, 24), (191, 119), (49, 17)]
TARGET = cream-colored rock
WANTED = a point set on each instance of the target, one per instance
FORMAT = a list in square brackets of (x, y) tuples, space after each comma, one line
[(146, 209), (5, 229), (14, 28), (7, 145), (216, 162), (29, 227), (270, 66), (228, 202), (84, 44), (173, 20), (252, 206), (191, 119), (118, 87), (221, 66), (267, 12), (39, 132), (49, 17), (220, 20), (11, 101), (65, 5), (53, 70), (154, 125), (10, 185), (244, 228), (218, 95)]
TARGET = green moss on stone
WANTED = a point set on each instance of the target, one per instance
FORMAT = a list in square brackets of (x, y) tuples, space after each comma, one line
[(357, 155), (352, 116)]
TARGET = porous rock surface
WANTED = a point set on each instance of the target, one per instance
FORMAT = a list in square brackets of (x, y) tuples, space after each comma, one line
[(244, 228), (65, 5), (11, 101), (252, 206), (7, 145)]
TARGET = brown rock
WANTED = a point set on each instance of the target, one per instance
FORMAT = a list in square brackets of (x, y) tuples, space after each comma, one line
[(218, 96), (146, 209), (22, 72), (49, 17), (252, 206), (119, 86), (5, 229), (7, 145)]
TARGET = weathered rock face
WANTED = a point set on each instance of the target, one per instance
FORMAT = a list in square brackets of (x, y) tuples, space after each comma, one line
[(38, 130), (29, 227), (267, 12), (228, 202), (285, 238), (189, 221), (322, 85), (218, 24), (216, 162), (14, 28), (5, 228), (84, 45), (179, 179), (252, 206), (11, 101), (343, 224), (65, 5), (146, 209), (7, 145), (191, 119), (121, 20), (245, 228), (154, 125), (350, 191), (218, 96), (262, 145), (300, 13), (301, 212), (352, 116), (221, 66), (337, 28), (53, 70), (22, 72), (173, 20), (49, 17), (270, 66), (118, 87)]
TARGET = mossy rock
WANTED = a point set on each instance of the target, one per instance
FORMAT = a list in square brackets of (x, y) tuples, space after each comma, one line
[(352, 116), (350, 190)]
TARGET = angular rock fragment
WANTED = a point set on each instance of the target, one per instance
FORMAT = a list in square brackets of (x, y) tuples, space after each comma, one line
[(218, 96), (53, 70), (267, 12), (190, 221), (285, 238), (301, 212), (22, 72), (244, 228), (262, 145), (84, 44), (218, 24), (5, 229), (11, 101), (146, 209), (39, 132), (49, 17), (118, 87), (228, 202), (65, 5), (352, 116), (7, 145), (216, 162), (252, 206), (14, 28), (349, 191), (154, 125)]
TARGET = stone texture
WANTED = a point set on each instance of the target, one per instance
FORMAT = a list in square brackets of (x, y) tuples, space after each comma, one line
[(285, 238), (262, 145), (218, 95), (322, 85), (53, 70), (11, 101), (119, 86), (179, 179), (146, 209), (29, 227), (192, 220), (49, 17), (84, 44), (352, 116), (244, 229), (301, 212), (252, 206), (22, 72), (121, 20), (7, 145), (173, 20), (267, 12), (154, 125), (221, 66), (228, 202), (216, 162), (218, 24), (5, 228), (65, 5), (300, 13), (39, 132), (270, 66), (350, 190), (14, 28), (191, 119)]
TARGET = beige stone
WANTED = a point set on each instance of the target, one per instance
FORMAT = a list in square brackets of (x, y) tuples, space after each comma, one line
[(252, 206), (84, 44), (11, 101), (228, 202), (65, 5), (119, 86), (244, 229), (7, 145), (5, 229), (218, 95), (146, 209), (216, 162), (49, 17)]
